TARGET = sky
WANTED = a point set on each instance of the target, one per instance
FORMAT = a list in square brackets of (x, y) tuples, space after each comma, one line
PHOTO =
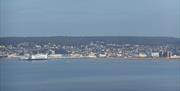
[(90, 18)]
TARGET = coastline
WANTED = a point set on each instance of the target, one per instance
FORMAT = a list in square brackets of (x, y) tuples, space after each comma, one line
[(140, 59)]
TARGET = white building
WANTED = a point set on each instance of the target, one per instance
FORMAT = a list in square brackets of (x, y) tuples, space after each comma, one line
[(119, 55), (92, 55), (142, 55), (102, 55), (155, 54), (175, 57), (75, 55), (39, 56)]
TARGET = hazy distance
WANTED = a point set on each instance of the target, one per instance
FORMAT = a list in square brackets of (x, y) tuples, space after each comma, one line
[(89, 18)]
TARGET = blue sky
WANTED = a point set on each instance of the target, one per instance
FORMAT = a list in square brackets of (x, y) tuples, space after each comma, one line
[(90, 18)]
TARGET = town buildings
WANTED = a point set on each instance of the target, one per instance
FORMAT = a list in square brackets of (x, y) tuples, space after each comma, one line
[(97, 49)]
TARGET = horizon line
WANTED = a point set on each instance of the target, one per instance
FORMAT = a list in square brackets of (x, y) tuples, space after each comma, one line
[(89, 36)]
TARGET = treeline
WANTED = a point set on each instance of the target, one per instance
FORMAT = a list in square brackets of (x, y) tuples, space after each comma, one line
[(86, 40)]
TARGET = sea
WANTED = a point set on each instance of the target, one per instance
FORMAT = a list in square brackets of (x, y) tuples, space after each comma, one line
[(90, 75)]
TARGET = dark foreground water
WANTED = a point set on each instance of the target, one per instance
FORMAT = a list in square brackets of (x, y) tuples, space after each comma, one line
[(90, 75)]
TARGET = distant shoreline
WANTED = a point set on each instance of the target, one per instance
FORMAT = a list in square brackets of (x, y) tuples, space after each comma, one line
[(177, 59)]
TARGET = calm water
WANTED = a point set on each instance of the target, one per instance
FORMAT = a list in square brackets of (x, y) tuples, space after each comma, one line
[(90, 75)]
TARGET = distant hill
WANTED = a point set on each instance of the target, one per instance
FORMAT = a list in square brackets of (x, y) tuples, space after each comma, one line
[(86, 40)]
